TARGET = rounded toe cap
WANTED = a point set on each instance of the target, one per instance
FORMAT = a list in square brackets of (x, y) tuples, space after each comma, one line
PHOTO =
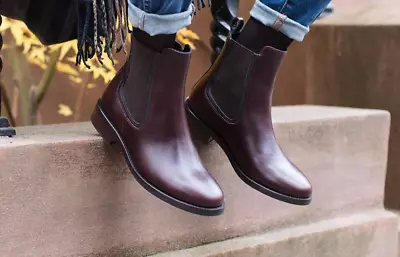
[(294, 183), (285, 179), (207, 195), (302, 188)]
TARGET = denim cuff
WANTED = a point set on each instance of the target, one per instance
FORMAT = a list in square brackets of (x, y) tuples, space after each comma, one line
[(278, 21), (154, 24)]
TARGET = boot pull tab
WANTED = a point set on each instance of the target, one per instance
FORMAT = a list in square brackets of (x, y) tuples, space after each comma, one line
[(236, 26)]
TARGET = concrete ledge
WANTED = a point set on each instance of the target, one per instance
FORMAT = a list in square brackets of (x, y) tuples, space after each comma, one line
[(366, 234), (63, 193)]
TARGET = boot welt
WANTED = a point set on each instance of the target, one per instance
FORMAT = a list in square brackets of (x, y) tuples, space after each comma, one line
[(198, 123), (111, 136)]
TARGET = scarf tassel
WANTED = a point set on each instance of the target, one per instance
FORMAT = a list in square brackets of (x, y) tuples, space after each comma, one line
[(103, 27)]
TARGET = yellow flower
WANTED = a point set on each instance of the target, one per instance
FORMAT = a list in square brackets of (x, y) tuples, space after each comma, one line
[(64, 110)]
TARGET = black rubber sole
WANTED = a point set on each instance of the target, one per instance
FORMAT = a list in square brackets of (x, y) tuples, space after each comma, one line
[(111, 136), (207, 132)]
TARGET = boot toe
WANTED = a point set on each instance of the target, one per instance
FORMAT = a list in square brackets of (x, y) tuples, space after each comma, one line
[(294, 183), (195, 187), (213, 197), (302, 188), (283, 178), (207, 194)]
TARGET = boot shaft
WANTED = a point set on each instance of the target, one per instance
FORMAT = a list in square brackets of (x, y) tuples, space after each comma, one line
[(240, 81), (233, 102), (153, 83)]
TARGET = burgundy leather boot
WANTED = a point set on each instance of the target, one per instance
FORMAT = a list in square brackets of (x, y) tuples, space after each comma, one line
[(143, 110), (232, 103)]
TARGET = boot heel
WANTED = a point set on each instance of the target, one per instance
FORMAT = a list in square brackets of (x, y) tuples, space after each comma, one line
[(102, 125), (199, 132)]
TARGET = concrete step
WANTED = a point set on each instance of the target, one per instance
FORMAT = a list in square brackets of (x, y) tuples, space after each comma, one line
[(364, 234), (64, 193), (398, 231)]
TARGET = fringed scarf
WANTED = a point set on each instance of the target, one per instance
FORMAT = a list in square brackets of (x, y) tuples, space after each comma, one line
[(103, 27)]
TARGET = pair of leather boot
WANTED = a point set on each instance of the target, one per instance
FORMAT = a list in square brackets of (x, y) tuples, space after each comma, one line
[(144, 110)]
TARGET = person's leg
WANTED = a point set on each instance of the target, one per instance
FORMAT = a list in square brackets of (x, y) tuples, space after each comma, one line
[(291, 17), (156, 22), (278, 22), (157, 17), (234, 98), (142, 109)]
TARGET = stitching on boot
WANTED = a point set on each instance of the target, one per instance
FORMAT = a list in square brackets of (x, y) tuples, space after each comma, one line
[(140, 119), (218, 109), (209, 93)]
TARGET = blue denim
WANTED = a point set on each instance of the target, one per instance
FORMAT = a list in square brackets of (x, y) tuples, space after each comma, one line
[(160, 16), (304, 12), (291, 17), (162, 7)]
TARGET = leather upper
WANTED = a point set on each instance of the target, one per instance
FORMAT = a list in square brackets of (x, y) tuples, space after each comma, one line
[(146, 103), (234, 99)]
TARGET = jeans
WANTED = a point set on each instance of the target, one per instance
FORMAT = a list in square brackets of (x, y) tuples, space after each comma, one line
[(291, 17)]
